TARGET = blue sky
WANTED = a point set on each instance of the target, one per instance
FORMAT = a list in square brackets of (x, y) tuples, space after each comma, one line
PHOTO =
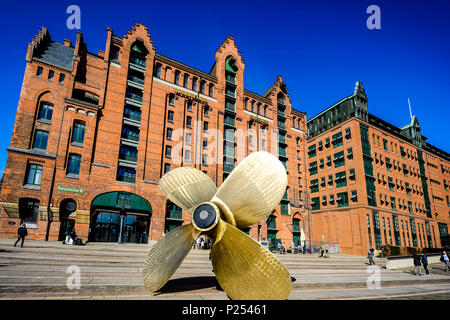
[(320, 47)]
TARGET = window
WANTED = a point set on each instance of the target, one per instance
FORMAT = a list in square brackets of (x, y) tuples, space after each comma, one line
[(331, 198), (168, 152), (73, 167), (126, 175), (34, 174), (205, 143), (158, 70), (337, 140), (339, 159), (188, 139), (263, 144), (206, 112), (312, 151), (315, 205), (170, 116), (51, 75), (211, 90), (341, 180), (342, 199), (348, 134), (39, 72), (78, 132), (177, 77), (391, 184), (354, 197), (185, 80), (313, 168), (350, 153), (246, 104), (205, 160), (189, 122), (202, 87), (115, 53), (265, 111), (169, 134), (327, 142), (45, 112), (194, 84), (352, 175), (187, 156), (40, 140), (250, 140), (393, 204), (410, 207), (62, 76), (299, 168), (171, 100), (329, 161), (385, 145), (314, 185), (205, 127), (189, 105)]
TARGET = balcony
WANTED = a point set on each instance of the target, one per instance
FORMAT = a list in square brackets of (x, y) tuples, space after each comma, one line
[(133, 97), (230, 79), (282, 138), (132, 116), (230, 107), (132, 137), (137, 63), (281, 114), (281, 125)]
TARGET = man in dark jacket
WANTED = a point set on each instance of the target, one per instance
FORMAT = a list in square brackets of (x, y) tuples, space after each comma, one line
[(370, 255), (21, 234), (425, 263), (417, 264)]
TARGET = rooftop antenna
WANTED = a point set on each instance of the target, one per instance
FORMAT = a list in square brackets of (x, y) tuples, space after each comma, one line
[(410, 112)]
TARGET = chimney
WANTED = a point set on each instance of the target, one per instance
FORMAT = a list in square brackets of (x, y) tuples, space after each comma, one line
[(67, 42)]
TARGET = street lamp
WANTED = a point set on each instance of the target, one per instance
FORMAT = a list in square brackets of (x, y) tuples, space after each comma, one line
[(122, 217)]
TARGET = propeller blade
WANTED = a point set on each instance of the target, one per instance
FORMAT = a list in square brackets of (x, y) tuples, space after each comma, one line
[(166, 256), (187, 187), (253, 189), (245, 269)]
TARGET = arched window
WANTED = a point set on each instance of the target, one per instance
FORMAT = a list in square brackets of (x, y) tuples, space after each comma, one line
[(138, 54)]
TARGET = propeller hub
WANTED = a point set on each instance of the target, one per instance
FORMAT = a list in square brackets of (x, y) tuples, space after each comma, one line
[(205, 216)]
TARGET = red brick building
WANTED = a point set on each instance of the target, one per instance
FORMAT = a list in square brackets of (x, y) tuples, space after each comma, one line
[(371, 183), (94, 133)]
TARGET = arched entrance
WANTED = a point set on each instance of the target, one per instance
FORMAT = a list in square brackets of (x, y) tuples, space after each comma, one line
[(120, 217), (296, 230), (272, 231), (67, 216)]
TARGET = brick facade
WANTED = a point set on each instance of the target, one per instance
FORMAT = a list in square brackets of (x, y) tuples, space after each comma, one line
[(127, 98)]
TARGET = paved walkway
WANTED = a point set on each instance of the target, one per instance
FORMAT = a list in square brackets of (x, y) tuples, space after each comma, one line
[(112, 271)]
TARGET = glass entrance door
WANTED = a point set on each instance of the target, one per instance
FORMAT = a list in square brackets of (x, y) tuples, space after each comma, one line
[(106, 227)]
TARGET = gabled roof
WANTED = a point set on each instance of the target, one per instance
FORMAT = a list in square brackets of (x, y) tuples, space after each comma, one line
[(56, 54)]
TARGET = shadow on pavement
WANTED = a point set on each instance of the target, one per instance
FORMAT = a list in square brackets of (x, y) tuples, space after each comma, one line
[(191, 283)]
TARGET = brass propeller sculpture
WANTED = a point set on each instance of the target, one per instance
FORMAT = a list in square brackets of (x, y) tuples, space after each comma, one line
[(244, 268)]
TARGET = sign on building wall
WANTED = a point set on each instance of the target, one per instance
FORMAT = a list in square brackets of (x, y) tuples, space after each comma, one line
[(69, 189)]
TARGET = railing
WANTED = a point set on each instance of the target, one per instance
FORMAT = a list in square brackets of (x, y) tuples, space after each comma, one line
[(281, 125), (135, 79), (281, 138), (231, 79)]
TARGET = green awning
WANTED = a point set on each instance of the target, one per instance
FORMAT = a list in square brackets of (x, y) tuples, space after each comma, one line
[(117, 200)]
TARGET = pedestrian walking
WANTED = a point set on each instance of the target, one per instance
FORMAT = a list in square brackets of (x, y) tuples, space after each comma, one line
[(22, 232), (445, 259), (417, 264), (198, 243), (425, 263), (370, 255)]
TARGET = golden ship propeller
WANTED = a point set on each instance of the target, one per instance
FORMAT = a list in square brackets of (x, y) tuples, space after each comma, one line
[(244, 268)]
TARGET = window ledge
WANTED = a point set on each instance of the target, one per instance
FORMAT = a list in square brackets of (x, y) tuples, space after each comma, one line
[(77, 144), (32, 187), (46, 121), (72, 176)]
